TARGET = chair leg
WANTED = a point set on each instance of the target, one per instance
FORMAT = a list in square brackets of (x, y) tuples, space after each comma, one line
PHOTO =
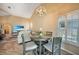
[(40, 48), (24, 52), (36, 52), (51, 53), (44, 50)]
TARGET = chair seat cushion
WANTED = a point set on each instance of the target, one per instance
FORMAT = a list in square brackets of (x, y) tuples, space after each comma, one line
[(48, 46), (30, 46)]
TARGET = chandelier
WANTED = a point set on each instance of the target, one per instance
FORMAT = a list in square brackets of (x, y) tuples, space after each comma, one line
[(41, 11)]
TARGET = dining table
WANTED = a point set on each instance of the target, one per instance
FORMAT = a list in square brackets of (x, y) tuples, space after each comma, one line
[(40, 39)]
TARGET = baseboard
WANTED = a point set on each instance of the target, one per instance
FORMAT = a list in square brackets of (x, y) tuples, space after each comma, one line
[(68, 51)]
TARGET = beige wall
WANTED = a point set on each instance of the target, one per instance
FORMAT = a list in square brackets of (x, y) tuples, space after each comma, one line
[(49, 21), (13, 20)]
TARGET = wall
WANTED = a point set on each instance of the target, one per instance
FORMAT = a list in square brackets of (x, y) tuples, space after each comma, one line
[(13, 20), (49, 21)]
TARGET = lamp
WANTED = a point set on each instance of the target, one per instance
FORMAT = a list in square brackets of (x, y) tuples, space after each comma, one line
[(40, 34), (41, 11)]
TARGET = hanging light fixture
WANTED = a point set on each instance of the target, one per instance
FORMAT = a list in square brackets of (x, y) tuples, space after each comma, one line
[(41, 11)]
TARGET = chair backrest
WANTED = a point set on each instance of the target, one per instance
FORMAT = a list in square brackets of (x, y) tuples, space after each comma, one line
[(56, 46), (23, 44), (25, 35), (19, 39)]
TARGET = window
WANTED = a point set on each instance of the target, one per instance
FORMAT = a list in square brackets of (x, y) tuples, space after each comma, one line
[(70, 31), (72, 28)]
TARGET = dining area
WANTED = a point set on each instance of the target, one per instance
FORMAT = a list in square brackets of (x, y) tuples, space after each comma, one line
[(30, 43), (39, 43), (39, 30), (44, 33)]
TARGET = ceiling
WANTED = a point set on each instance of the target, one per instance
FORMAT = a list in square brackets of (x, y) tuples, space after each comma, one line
[(26, 9), (18, 9)]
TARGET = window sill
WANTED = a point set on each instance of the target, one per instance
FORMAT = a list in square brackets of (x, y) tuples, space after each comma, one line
[(72, 43)]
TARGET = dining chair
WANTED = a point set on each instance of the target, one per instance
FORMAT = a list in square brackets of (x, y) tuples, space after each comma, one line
[(54, 46), (28, 45)]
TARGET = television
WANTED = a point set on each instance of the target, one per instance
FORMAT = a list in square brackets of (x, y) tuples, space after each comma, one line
[(17, 28)]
